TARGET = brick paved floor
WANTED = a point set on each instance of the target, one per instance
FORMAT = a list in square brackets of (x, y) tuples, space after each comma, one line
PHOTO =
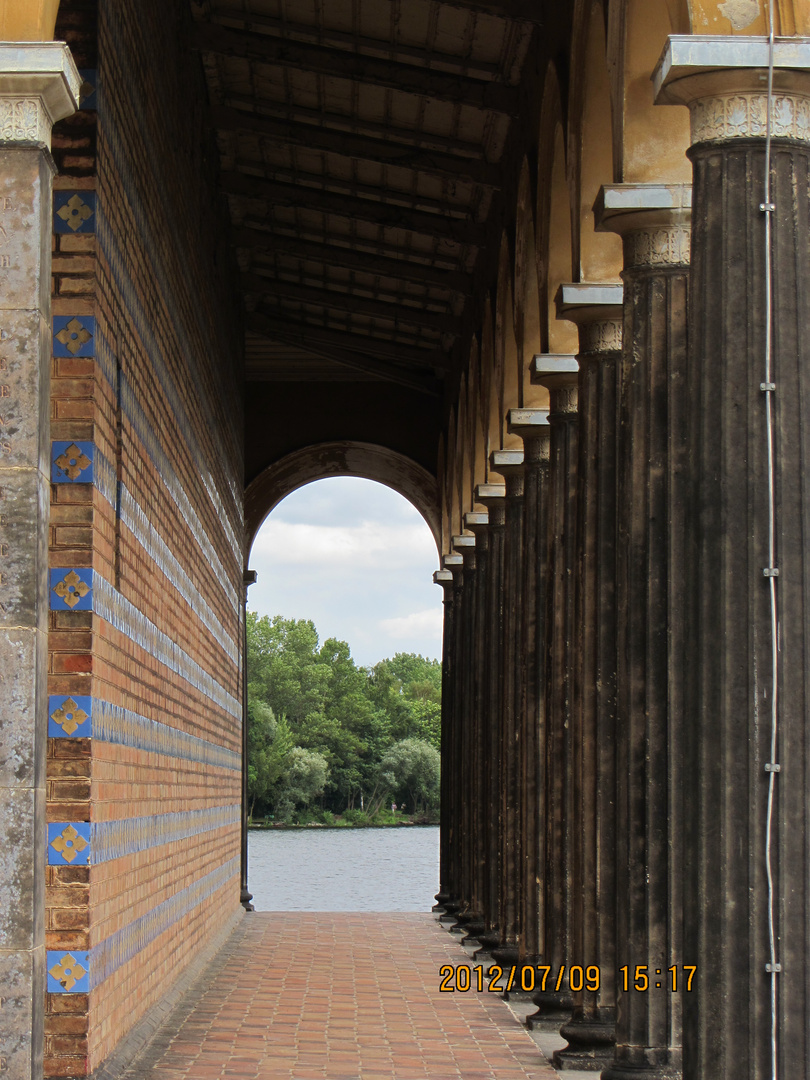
[(298, 996)]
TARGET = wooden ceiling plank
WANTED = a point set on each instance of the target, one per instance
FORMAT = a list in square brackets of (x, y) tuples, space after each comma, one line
[(395, 351), (381, 151), (400, 269), (425, 385), (340, 63), (347, 301), (516, 10), (318, 34), (354, 124), (380, 213)]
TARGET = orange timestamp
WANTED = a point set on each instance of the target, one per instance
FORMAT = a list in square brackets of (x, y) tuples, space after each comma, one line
[(544, 977)]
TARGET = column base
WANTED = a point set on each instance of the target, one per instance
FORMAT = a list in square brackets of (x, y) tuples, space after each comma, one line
[(553, 1011), (245, 899), (506, 955), (490, 940), (591, 1042), (642, 1063)]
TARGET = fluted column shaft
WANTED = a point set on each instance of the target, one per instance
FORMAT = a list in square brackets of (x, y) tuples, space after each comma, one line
[(445, 579), (467, 810), (532, 426), (729, 664), (649, 880), (510, 464)]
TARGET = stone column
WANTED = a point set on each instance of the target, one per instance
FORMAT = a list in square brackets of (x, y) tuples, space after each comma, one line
[(532, 426), (581, 752), (493, 496), (477, 523), (654, 221), (465, 730), (728, 760), (450, 765), (444, 578), (39, 85), (509, 464), (248, 579), (558, 656)]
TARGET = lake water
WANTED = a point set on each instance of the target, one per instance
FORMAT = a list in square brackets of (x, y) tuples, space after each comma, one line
[(344, 869)]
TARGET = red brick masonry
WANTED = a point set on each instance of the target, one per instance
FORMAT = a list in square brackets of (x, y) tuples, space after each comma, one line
[(298, 996)]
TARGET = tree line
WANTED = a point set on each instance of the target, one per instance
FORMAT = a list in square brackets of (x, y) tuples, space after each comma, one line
[(332, 743)]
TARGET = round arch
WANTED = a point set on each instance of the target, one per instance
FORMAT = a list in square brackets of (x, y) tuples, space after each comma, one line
[(322, 460)]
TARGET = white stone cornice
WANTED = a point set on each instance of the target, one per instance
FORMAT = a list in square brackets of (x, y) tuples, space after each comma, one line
[(597, 310), (654, 221), (39, 85), (723, 82)]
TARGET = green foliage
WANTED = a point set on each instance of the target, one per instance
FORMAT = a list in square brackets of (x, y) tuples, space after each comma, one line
[(412, 767), (319, 726)]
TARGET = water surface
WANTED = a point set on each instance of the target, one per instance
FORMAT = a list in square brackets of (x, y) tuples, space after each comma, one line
[(344, 869)]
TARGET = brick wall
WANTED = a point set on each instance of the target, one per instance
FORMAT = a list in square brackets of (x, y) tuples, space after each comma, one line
[(144, 767)]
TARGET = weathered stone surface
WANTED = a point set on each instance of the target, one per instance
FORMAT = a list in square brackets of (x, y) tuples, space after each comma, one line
[(24, 381), (25, 261), (22, 684), (22, 989), (23, 552), (21, 868)]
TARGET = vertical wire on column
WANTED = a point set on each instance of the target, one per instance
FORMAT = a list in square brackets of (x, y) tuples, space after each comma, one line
[(771, 572)]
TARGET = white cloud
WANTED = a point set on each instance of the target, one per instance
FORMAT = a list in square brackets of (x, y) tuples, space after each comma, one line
[(426, 624), (370, 541)]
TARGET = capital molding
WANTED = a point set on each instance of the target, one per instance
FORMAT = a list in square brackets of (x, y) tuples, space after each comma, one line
[(597, 309), (39, 85), (559, 373), (723, 82), (654, 221)]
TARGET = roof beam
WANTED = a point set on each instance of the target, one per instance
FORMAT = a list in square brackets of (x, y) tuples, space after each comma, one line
[(519, 10), (343, 301), (400, 269), (383, 152), (268, 328), (356, 124), (341, 64), (388, 215), (319, 35), (381, 348)]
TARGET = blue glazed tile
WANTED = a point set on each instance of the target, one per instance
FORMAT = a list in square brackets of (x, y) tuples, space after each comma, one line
[(74, 335), (68, 972), (74, 212), (72, 462), (69, 843), (70, 716), (71, 589), (89, 89)]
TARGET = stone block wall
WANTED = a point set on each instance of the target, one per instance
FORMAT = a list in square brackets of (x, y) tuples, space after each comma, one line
[(144, 758)]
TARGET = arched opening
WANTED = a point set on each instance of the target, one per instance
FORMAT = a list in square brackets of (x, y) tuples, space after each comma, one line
[(343, 631)]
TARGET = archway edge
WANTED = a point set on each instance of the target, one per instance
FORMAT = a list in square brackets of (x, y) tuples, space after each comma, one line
[(320, 461)]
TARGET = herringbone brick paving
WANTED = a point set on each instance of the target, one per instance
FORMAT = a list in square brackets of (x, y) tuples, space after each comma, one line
[(299, 996)]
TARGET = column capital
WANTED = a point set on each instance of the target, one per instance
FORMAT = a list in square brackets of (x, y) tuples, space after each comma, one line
[(475, 520), (460, 544), (559, 373), (453, 562), (723, 81), (493, 496), (532, 426), (654, 221), (597, 309), (443, 578), (39, 85)]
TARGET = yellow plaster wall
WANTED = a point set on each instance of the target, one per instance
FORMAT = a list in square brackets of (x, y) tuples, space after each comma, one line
[(28, 20)]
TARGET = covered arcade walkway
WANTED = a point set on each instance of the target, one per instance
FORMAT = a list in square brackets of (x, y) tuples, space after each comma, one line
[(338, 996)]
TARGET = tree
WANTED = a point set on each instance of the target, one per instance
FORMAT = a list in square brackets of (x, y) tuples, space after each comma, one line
[(269, 744), (305, 778), (413, 767)]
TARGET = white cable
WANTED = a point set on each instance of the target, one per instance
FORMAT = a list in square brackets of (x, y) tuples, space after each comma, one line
[(768, 386)]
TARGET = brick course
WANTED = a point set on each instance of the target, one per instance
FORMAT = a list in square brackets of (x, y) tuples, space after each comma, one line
[(160, 401)]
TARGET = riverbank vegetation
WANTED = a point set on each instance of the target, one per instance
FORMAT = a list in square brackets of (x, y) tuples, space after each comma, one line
[(333, 744)]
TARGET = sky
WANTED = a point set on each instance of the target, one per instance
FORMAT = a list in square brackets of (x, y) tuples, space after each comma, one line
[(358, 560)]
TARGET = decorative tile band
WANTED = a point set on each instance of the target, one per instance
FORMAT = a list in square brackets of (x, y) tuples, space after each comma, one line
[(124, 616), (121, 946), (68, 972), (72, 462), (113, 839), (71, 589), (70, 716), (77, 716), (74, 212), (74, 335), (69, 843)]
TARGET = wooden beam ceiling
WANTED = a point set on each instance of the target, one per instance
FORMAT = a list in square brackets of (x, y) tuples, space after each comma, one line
[(399, 268), (379, 213), (345, 144), (351, 302), (338, 63)]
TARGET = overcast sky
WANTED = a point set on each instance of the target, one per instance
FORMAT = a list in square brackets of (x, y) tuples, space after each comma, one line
[(357, 559)]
